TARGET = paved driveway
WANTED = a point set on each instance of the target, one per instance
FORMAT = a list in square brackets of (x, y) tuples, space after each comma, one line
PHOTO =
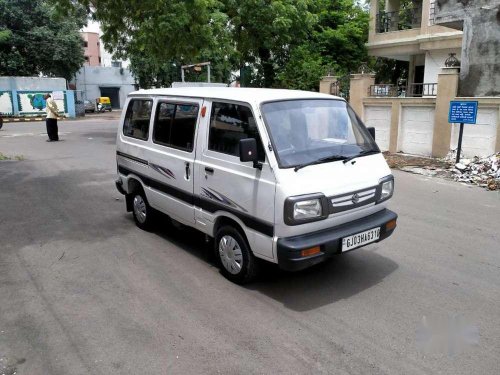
[(83, 291)]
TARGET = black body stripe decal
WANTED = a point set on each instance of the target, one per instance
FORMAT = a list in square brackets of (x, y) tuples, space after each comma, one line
[(139, 160), (215, 195), (160, 186), (250, 221), (162, 170), (202, 202)]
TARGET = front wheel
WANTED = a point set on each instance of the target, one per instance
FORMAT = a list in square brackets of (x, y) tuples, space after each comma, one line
[(142, 211), (236, 261)]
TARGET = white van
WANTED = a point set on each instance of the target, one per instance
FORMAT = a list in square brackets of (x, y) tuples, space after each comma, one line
[(291, 177)]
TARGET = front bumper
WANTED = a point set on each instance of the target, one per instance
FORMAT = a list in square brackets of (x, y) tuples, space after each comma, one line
[(329, 240)]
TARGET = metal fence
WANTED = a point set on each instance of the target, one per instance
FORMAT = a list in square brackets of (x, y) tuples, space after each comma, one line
[(412, 90), (341, 87), (405, 18), (79, 103)]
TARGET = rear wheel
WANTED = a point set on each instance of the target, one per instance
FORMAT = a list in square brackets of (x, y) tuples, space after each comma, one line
[(142, 211), (236, 261)]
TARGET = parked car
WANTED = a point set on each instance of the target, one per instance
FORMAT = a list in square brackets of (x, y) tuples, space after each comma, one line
[(89, 106), (290, 177)]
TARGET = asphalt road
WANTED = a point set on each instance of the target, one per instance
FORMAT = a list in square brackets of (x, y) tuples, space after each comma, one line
[(83, 291)]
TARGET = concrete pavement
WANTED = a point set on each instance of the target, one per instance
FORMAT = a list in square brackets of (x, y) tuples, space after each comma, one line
[(83, 291)]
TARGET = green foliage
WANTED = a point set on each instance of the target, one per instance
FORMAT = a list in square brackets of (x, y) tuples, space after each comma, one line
[(34, 39), (282, 43), (148, 74), (266, 31), (303, 71), (341, 33), (389, 70), (156, 34)]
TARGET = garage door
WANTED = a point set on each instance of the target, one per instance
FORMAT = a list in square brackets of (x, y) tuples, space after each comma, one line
[(380, 119), (479, 139), (417, 128)]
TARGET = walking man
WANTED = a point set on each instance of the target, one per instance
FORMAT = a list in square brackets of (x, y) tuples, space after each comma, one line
[(51, 120)]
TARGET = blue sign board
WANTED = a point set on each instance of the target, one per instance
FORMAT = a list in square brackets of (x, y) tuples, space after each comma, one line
[(462, 112)]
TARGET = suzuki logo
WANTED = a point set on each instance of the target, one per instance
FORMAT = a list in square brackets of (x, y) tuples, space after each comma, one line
[(355, 198)]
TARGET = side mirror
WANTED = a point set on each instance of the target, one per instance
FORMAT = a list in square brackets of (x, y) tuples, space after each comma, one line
[(371, 130), (248, 152)]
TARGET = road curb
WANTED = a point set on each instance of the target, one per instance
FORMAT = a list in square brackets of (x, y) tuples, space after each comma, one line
[(22, 119)]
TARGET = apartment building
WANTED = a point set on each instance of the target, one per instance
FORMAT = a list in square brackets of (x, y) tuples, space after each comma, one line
[(92, 48), (405, 30)]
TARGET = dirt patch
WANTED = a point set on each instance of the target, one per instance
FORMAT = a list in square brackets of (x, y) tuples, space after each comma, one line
[(399, 161), (483, 172)]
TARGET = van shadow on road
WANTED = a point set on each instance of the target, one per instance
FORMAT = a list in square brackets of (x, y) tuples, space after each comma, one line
[(339, 278)]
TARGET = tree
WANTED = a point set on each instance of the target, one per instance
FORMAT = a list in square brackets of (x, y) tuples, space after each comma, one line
[(303, 71), (34, 40), (154, 35), (335, 43), (285, 43), (150, 74), (341, 33), (265, 32)]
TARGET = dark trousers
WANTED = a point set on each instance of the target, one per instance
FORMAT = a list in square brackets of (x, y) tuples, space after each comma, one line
[(52, 130)]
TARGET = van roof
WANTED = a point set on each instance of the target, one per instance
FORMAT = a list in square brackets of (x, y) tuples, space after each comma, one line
[(255, 95)]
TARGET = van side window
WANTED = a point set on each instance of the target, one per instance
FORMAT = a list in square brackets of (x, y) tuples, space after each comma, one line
[(228, 124), (136, 123), (175, 125)]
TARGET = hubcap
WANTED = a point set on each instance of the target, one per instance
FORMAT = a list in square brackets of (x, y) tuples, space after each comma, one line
[(230, 254), (140, 209)]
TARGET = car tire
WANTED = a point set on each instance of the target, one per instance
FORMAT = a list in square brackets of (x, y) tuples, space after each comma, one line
[(142, 211), (234, 257)]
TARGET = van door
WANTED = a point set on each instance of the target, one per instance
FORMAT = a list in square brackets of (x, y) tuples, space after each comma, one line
[(225, 184), (172, 156)]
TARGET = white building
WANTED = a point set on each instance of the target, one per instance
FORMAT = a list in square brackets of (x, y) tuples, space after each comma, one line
[(404, 30), (108, 77)]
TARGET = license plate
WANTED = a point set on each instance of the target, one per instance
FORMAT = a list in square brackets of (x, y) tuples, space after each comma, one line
[(360, 239)]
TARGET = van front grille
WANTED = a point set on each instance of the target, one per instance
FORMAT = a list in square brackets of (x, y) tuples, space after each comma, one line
[(352, 200)]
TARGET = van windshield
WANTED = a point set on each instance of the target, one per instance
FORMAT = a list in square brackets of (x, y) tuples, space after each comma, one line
[(310, 131)]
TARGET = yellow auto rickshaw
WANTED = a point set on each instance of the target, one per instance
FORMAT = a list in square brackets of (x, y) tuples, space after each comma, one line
[(103, 103)]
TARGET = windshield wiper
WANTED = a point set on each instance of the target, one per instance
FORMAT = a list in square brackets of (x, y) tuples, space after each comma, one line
[(362, 153), (321, 160)]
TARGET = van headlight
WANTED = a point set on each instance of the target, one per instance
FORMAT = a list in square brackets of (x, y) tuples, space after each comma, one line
[(386, 188), (305, 208)]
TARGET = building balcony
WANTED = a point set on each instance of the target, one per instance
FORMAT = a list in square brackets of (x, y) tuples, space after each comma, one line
[(402, 19), (400, 29)]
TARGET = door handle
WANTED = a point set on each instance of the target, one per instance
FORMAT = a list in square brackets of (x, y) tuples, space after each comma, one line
[(188, 171), (209, 170)]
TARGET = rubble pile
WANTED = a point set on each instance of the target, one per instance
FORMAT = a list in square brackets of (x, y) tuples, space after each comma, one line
[(483, 172)]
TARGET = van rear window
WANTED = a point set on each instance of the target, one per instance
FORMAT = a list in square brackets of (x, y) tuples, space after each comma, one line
[(136, 123)]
